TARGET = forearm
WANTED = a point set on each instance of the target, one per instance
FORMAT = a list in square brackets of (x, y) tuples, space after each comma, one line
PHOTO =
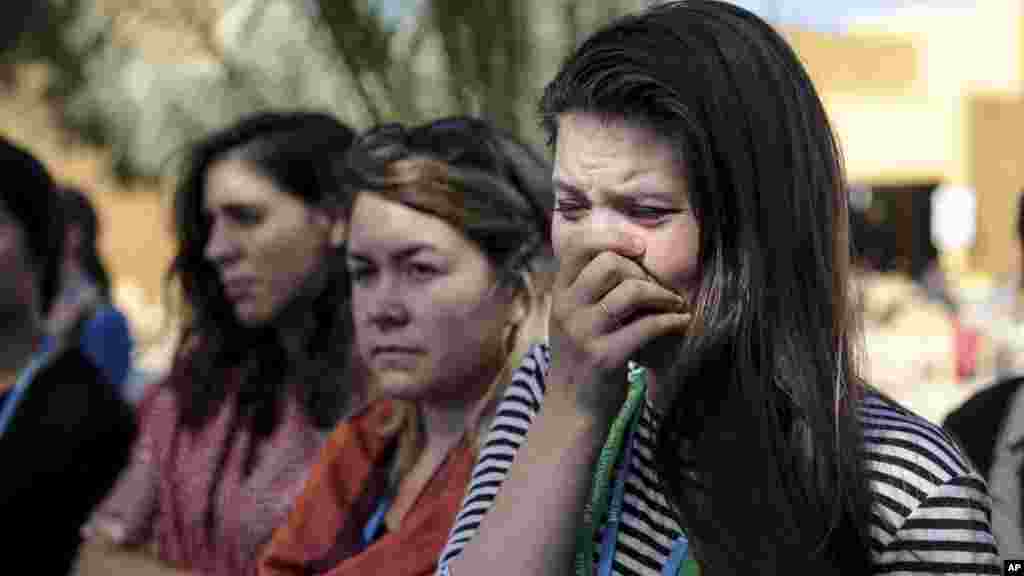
[(531, 527)]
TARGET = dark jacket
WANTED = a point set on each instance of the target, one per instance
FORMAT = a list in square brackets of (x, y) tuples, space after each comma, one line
[(65, 445), (976, 424)]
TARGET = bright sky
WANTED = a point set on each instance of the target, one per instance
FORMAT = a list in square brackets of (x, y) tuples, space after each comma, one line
[(834, 15), (820, 15)]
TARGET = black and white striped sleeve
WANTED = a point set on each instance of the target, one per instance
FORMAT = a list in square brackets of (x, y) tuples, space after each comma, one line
[(517, 410), (932, 512)]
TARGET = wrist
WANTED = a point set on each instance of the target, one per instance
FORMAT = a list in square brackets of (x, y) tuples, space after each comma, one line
[(562, 419), (585, 400)]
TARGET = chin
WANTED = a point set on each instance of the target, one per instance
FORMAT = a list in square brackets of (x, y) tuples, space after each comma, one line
[(397, 385), (251, 316), (250, 320)]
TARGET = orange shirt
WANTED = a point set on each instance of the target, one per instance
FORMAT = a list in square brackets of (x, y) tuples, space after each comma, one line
[(323, 534)]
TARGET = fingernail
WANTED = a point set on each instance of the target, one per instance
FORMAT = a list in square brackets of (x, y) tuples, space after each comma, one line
[(637, 245)]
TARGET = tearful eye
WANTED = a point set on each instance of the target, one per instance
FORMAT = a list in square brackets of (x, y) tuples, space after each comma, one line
[(419, 271), (649, 212), (568, 209), (359, 275), (245, 216)]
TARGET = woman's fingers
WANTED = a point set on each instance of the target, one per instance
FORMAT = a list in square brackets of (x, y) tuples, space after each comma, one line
[(580, 254), (606, 271), (632, 299)]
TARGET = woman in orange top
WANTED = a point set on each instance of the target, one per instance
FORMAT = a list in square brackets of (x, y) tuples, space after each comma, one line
[(448, 238)]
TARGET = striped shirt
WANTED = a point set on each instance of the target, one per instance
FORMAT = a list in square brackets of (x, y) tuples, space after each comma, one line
[(931, 513)]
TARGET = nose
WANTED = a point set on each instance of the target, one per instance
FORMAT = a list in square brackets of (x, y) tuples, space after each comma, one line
[(607, 227), (221, 247), (386, 304)]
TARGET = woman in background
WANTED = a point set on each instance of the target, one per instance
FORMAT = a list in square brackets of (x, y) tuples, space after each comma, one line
[(261, 372)]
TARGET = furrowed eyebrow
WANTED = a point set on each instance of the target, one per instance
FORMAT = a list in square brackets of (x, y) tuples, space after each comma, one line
[(567, 188), (619, 196), (403, 254), (645, 194)]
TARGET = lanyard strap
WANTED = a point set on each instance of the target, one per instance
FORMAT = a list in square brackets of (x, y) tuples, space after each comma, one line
[(599, 492), (24, 379), (376, 520), (611, 530), (679, 563), (675, 563)]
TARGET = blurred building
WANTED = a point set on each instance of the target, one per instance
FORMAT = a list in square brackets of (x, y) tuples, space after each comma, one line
[(922, 98), (925, 97)]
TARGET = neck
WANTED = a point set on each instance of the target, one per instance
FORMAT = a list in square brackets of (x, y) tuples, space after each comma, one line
[(293, 338), (444, 426), (295, 321), (655, 394), (659, 358), (16, 350), (657, 361)]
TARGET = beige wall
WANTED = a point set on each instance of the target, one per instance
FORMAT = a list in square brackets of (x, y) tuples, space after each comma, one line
[(888, 140), (960, 48), (945, 105), (851, 63), (997, 170)]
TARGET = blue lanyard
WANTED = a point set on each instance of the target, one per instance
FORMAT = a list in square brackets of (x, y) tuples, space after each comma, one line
[(11, 403), (611, 530), (680, 545), (376, 520)]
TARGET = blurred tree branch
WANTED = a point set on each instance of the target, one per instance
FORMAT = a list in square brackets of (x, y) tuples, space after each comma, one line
[(40, 31), (145, 77)]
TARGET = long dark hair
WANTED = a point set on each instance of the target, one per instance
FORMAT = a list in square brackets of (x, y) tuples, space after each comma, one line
[(299, 152), (79, 211), (760, 451)]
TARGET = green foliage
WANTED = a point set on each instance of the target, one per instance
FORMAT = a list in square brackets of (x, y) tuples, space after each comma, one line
[(487, 58), (51, 31)]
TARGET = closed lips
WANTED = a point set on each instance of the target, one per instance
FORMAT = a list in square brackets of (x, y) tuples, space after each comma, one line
[(394, 349)]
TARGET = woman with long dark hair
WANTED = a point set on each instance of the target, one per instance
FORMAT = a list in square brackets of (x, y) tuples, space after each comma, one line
[(701, 231), (448, 249), (261, 371)]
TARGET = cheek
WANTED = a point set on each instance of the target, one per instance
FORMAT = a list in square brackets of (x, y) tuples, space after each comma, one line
[(558, 237), (359, 307), (289, 261), (673, 259), (460, 327)]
